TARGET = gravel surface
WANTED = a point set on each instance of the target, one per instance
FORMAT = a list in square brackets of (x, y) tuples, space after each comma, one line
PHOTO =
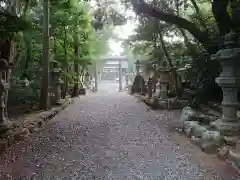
[(111, 136)]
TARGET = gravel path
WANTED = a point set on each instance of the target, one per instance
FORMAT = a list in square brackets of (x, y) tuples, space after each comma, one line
[(108, 137)]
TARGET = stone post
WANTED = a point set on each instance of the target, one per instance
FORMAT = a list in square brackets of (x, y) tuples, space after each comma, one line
[(229, 81), (120, 75), (56, 72), (4, 86), (96, 77)]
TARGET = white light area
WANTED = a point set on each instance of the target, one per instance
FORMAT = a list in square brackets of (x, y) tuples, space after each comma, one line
[(123, 32), (173, 39), (3, 4), (126, 30)]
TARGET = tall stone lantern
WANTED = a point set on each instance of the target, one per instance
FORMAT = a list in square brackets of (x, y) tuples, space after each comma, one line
[(4, 86), (150, 84), (229, 81), (139, 82), (87, 79), (137, 63), (164, 80), (57, 81)]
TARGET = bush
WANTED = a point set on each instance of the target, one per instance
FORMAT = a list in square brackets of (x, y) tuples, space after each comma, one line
[(24, 93)]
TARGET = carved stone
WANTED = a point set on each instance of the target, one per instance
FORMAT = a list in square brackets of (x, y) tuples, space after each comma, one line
[(56, 72), (164, 80), (138, 82), (150, 83), (229, 81), (137, 67), (127, 80)]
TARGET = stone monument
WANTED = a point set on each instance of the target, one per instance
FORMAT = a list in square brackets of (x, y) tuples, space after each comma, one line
[(164, 80), (57, 81), (138, 82), (229, 81), (87, 79)]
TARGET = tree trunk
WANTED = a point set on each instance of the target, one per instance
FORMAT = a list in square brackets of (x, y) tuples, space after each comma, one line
[(201, 20), (44, 98)]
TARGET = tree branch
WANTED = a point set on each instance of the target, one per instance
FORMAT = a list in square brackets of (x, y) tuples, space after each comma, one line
[(141, 7)]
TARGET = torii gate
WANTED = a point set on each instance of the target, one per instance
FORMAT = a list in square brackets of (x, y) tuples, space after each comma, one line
[(110, 61)]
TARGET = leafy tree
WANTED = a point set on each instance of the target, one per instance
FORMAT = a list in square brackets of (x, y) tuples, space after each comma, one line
[(74, 42)]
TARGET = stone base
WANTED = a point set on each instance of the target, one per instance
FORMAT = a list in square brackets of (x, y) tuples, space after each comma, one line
[(159, 103), (82, 91), (129, 88), (163, 103), (172, 103), (5, 126), (227, 128), (60, 102)]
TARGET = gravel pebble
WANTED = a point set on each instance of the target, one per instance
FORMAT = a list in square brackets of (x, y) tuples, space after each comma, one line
[(110, 136)]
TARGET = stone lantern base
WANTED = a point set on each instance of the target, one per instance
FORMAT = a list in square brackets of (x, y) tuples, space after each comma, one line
[(5, 125), (82, 91)]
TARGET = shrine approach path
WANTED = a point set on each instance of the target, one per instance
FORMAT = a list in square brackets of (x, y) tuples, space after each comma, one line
[(111, 136)]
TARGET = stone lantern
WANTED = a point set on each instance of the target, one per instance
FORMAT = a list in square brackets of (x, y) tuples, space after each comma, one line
[(56, 72), (150, 84), (127, 79), (87, 79), (164, 80), (4, 86), (137, 63), (139, 82), (229, 81)]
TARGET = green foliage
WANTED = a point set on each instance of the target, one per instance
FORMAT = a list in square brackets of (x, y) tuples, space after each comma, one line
[(24, 95), (73, 41)]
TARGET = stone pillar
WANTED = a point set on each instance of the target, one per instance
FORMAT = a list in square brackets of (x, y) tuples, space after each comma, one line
[(56, 72), (137, 67), (120, 75), (229, 81), (96, 77), (4, 86), (150, 82), (164, 81), (87, 79), (126, 79)]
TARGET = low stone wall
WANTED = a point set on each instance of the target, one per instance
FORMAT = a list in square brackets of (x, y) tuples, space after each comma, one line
[(158, 103), (197, 126), (22, 126)]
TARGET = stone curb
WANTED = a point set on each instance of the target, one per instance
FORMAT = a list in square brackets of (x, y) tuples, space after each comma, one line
[(154, 103), (46, 115), (20, 131)]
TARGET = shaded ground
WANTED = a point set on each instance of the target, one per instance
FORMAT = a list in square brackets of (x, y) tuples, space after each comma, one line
[(111, 136)]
